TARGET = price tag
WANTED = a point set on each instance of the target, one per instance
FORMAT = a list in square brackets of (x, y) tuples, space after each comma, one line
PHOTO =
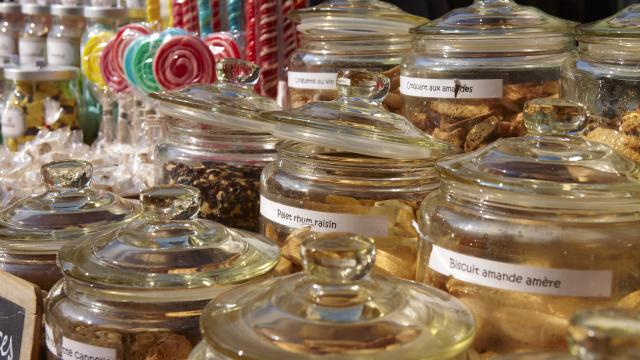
[(20, 318)]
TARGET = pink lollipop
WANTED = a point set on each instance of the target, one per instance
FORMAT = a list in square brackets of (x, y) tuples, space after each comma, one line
[(124, 37), (109, 70), (223, 46), (183, 60)]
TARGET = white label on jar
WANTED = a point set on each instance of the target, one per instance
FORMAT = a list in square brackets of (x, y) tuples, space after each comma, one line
[(7, 45), (31, 51), (320, 221), (529, 279), (48, 339), (74, 350), (312, 80), (451, 88), (61, 52), (12, 122)]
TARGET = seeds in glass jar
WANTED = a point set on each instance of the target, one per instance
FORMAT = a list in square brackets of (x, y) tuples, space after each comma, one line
[(230, 194)]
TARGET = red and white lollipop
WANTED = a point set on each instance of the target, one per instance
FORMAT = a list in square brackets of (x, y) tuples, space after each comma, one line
[(223, 46), (183, 60)]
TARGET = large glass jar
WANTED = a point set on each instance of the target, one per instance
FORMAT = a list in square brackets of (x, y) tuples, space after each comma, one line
[(224, 164), (604, 76), (474, 68), (349, 166), (38, 98), (335, 310), (63, 41), (32, 44), (33, 229), (527, 231), (138, 293), (10, 25), (337, 34)]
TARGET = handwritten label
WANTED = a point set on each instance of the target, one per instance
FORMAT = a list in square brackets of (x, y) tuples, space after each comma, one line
[(451, 88), (312, 80), (12, 318), (32, 51), (74, 350), (529, 279), (320, 221), (12, 122), (61, 52)]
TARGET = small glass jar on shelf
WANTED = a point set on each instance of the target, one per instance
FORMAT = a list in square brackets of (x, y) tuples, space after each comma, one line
[(10, 25), (138, 292), (473, 69), (33, 229), (32, 44), (63, 41), (336, 309), (334, 35)]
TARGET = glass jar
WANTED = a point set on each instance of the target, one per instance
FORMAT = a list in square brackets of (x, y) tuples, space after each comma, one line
[(335, 310), (607, 334), (337, 34), (33, 229), (473, 69), (10, 25), (604, 77), (63, 41), (527, 231), (349, 166), (138, 292), (32, 44), (225, 164), (38, 98)]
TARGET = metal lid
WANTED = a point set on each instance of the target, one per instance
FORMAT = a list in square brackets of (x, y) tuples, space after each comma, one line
[(624, 24), (46, 73), (10, 8), (35, 9), (337, 310), (97, 12), (168, 248), (67, 10), (68, 210)]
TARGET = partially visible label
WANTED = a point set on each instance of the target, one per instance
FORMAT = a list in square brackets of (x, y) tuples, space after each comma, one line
[(48, 337), (320, 221), (8, 45), (312, 80), (505, 276), (74, 350), (61, 52), (12, 122), (52, 111), (32, 51), (451, 88), (12, 321)]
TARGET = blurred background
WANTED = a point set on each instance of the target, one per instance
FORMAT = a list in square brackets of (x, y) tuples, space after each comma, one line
[(576, 10)]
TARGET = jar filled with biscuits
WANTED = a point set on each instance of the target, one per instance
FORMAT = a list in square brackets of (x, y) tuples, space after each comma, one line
[(208, 146), (38, 98), (33, 229), (527, 231), (335, 310), (473, 69), (334, 35), (605, 78), (138, 292), (349, 166)]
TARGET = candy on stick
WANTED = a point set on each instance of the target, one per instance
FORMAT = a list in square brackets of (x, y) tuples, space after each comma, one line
[(250, 48), (108, 68), (190, 16), (223, 45), (216, 16), (153, 14), (267, 45), (205, 17), (183, 60), (91, 55), (124, 37), (176, 14), (234, 15)]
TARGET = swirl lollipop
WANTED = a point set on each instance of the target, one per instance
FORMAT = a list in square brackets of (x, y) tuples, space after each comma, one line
[(124, 37), (183, 60), (223, 46), (91, 55)]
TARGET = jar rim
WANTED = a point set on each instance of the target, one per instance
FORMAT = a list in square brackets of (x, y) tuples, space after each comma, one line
[(186, 127)]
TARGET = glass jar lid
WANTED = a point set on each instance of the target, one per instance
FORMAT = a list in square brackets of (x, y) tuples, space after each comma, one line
[(359, 18), (35, 9), (68, 209), (44, 73), (230, 103), (99, 12), (624, 24), (168, 248), (560, 171), (10, 8), (357, 122), (337, 310), (67, 10)]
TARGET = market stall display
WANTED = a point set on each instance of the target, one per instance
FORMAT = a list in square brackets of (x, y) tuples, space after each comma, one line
[(336, 309), (204, 151), (603, 77), (139, 291), (473, 69), (34, 228)]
